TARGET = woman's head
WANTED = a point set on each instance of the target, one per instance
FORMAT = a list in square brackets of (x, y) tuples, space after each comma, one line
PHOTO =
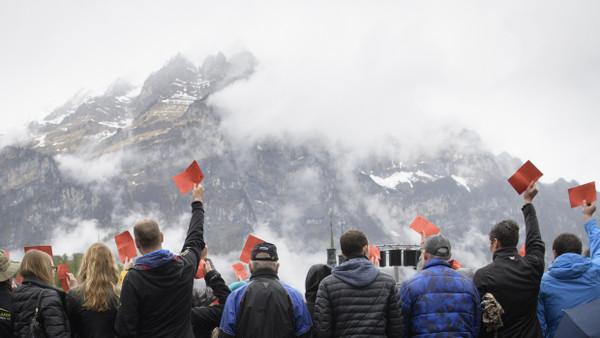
[(98, 276), (37, 264)]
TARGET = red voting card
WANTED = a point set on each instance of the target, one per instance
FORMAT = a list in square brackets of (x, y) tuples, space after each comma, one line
[(62, 276), (200, 272), (185, 181), (44, 248), (585, 192), (247, 251), (240, 271), (7, 254), (524, 176), (420, 224), (374, 252), (522, 251), (125, 246), (454, 264), (19, 279)]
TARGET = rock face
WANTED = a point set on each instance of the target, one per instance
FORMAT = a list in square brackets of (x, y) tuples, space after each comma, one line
[(110, 158)]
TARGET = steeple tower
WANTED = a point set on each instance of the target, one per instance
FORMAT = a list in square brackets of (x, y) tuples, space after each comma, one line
[(331, 256)]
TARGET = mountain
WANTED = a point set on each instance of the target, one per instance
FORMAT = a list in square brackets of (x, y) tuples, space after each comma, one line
[(110, 159)]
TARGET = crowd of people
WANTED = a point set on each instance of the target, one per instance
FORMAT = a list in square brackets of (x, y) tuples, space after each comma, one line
[(510, 297)]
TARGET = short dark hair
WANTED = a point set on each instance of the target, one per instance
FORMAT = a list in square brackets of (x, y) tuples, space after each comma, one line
[(352, 242), (567, 243), (147, 232), (506, 232)]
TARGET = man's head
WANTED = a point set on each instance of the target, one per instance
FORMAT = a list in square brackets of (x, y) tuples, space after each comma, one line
[(7, 268), (148, 237), (437, 246), (264, 257), (504, 235), (566, 243), (354, 243)]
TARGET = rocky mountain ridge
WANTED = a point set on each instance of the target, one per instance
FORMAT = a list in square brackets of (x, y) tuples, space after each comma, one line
[(111, 157)]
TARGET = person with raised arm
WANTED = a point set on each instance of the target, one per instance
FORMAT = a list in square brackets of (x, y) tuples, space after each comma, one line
[(156, 297)]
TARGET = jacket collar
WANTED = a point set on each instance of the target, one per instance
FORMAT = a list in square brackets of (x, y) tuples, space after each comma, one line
[(264, 273), (509, 253), (436, 261)]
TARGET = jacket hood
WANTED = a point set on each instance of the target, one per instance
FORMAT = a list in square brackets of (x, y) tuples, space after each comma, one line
[(154, 259), (356, 271), (569, 266), (315, 275)]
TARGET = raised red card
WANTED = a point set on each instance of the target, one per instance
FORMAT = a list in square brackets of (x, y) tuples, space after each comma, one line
[(62, 276), (454, 264), (248, 247), (125, 246), (240, 271), (522, 251), (7, 254), (374, 252), (524, 176), (44, 248), (200, 272), (185, 181), (585, 192), (421, 224)]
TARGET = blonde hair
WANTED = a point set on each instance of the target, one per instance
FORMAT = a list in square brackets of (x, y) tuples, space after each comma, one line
[(98, 277), (37, 264)]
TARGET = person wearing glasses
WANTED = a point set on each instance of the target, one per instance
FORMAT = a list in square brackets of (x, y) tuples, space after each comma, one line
[(38, 293)]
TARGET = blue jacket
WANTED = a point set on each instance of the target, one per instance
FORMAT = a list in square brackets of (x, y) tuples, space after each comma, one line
[(265, 307), (440, 301), (578, 275)]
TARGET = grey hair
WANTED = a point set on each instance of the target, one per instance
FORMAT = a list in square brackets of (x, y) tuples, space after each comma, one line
[(261, 265)]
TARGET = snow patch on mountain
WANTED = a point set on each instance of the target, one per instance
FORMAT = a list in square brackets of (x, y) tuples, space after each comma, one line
[(392, 181), (462, 182)]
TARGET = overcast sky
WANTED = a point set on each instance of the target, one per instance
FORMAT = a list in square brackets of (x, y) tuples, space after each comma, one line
[(524, 75)]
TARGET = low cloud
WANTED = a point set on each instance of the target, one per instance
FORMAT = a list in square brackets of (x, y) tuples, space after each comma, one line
[(97, 170)]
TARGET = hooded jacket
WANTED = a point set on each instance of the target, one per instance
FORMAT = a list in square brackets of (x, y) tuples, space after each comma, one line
[(357, 300), (578, 274), (440, 301), (315, 275), (52, 312), (156, 297), (515, 282)]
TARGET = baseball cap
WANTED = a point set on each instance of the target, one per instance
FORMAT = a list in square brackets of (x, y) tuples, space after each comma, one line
[(438, 245), (264, 248)]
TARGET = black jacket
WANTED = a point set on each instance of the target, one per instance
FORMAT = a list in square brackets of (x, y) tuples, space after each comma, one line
[(515, 282), (52, 309), (358, 300), (206, 318), (90, 324), (6, 325), (156, 302), (265, 307)]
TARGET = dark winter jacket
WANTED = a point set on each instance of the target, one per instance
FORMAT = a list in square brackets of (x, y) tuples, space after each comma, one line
[(515, 282), (315, 275), (265, 307), (6, 325), (52, 312), (578, 274), (206, 318), (439, 301), (156, 297), (90, 324), (358, 300)]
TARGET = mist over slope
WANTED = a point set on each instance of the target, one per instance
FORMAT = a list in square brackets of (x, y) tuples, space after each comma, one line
[(96, 164)]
